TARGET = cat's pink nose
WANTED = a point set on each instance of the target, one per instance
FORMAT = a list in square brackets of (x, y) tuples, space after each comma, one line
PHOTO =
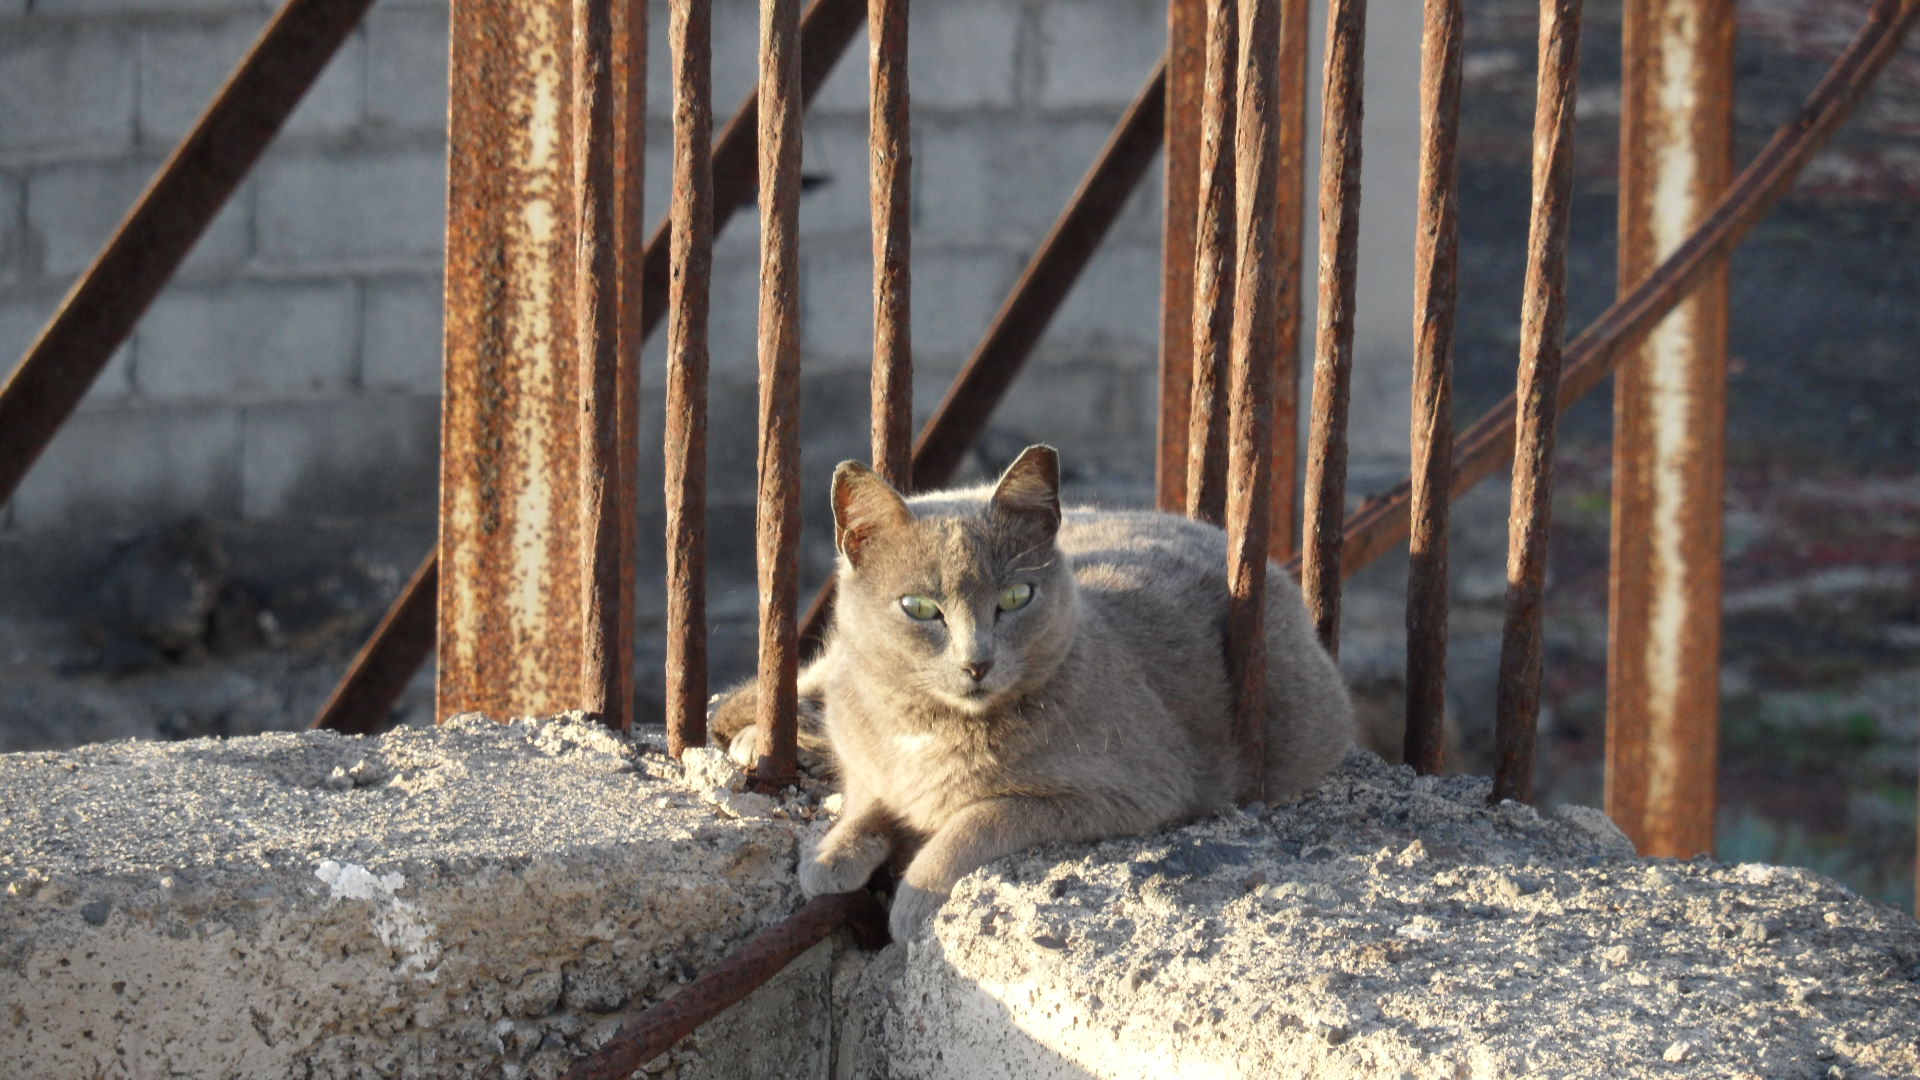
[(978, 669)]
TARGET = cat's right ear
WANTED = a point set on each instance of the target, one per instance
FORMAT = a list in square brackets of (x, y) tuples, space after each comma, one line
[(864, 505)]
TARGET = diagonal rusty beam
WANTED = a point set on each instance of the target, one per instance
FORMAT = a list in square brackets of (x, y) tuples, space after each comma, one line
[(156, 235)]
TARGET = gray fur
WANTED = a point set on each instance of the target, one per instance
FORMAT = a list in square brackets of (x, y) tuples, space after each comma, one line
[(1106, 709)]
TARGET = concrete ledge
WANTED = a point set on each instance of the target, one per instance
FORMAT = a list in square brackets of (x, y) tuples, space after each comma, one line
[(478, 899), (1396, 927)]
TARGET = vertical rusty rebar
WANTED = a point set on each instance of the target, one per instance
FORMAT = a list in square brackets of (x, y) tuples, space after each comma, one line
[(778, 516), (1213, 273), (1255, 305), (1186, 84), (1290, 233), (1341, 112), (629, 120), (891, 154), (1669, 407), (1542, 327), (691, 223), (1434, 290), (606, 496)]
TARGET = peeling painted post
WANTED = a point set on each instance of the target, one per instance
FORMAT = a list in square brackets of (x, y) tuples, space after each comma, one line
[(1542, 325), (1434, 292), (1213, 274), (691, 32), (1341, 111), (511, 593), (891, 155), (776, 759), (1663, 655), (1186, 82)]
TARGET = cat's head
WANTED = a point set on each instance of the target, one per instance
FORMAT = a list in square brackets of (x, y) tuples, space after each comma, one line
[(962, 598)]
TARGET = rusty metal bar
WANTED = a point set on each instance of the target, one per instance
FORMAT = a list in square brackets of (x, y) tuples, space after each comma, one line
[(179, 203), (386, 663), (1186, 84), (1043, 286), (1213, 271), (1434, 290), (1381, 524), (380, 672), (691, 231), (1255, 308), (629, 83), (778, 515), (731, 980), (1669, 444), (891, 151), (1542, 326), (1340, 113), (1290, 201), (606, 488)]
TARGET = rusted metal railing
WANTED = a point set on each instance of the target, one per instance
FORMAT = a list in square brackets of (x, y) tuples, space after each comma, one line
[(1663, 612), (1213, 268), (891, 154), (1186, 85), (153, 240), (1436, 253), (1290, 237), (1340, 112), (690, 30)]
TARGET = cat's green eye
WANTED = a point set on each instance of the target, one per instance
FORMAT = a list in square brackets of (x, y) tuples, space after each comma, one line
[(1015, 597), (919, 607)]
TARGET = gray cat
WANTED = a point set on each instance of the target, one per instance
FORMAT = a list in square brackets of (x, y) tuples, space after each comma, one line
[(1000, 675)]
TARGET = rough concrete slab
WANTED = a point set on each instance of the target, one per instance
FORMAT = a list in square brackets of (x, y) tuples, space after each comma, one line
[(1390, 926), (477, 899)]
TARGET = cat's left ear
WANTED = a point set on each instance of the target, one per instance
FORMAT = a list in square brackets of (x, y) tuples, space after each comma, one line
[(864, 505), (1029, 490)]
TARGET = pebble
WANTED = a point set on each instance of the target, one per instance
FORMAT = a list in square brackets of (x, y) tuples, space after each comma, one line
[(1679, 1051)]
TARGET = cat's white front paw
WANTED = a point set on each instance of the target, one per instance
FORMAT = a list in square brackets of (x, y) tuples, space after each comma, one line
[(840, 866), (912, 907)]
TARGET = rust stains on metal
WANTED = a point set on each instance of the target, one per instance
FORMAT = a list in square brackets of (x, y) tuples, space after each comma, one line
[(778, 516), (100, 310), (511, 601), (891, 156), (1434, 288), (1340, 125), (731, 980), (1256, 300), (1213, 272), (1543, 316), (1186, 82), (606, 489), (1381, 523), (1290, 208), (1044, 284), (690, 31), (363, 702), (629, 28), (1669, 447)]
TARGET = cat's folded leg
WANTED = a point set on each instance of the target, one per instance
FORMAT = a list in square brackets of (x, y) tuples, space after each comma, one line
[(731, 715), (989, 829), (850, 852)]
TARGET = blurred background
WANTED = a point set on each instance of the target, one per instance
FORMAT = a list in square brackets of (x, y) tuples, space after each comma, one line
[(248, 484)]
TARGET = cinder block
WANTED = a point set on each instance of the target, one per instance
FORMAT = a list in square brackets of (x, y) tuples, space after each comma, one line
[(112, 466), (13, 236), (386, 205), (834, 157), (959, 56), (183, 64), (955, 293), (1098, 52), (248, 339), (360, 456), (983, 180), (66, 86), (72, 210), (21, 320), (1114, 309), (407, 69), (403, 341)]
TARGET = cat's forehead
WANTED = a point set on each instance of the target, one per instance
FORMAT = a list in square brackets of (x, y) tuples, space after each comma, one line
[(956, 551)]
